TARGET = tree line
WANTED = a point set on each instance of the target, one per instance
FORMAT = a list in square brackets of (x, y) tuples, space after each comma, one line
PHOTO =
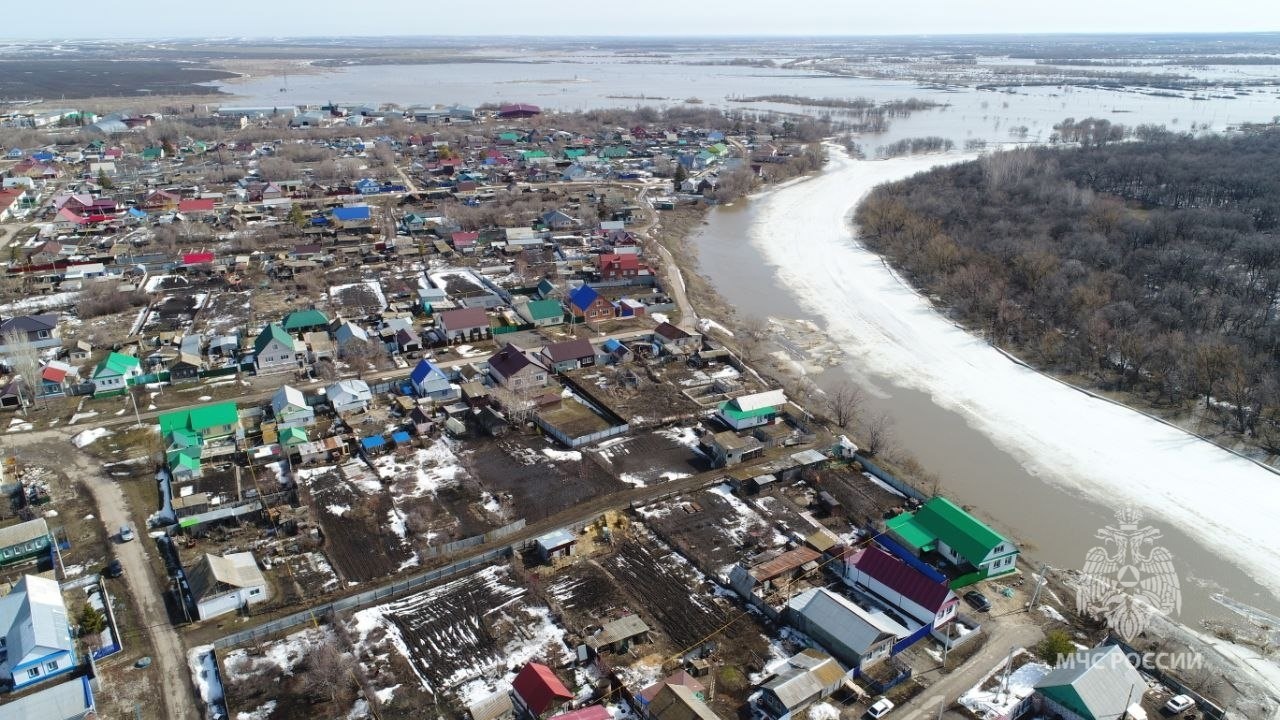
[(1151, 266)]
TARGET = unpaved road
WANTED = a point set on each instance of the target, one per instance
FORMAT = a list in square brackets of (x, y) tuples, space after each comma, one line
[(54, 448)]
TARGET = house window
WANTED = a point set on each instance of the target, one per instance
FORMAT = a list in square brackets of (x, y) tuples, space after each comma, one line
[(255, 591), (33, 672), (42, 334), (51, 666)]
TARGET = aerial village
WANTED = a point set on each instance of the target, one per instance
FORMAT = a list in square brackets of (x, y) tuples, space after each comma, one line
[(413, 418)]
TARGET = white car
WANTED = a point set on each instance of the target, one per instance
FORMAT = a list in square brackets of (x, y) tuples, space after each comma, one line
[(879, 708), (1178, 703), (126, 533)]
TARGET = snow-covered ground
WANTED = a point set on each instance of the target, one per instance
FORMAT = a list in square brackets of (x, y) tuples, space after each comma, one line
[(1003, 698), (1106, 452)]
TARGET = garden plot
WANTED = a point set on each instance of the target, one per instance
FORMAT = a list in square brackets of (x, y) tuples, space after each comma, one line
[(464, 639), (301, 675), (226, 312), (714, 528), (539, 483), (432, 488), (354, 511), (174, 312), (653, 457)]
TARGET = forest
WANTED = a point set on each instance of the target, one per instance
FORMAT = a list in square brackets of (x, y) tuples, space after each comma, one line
[(1149, 267)]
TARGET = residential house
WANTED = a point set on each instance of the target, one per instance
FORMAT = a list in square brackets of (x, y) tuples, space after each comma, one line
[(15, 394), (1096, 684), (319, 345), (290, 409), (590, 712), (806, 678), (56, 377), (81, 351), (569, 355), (202, 424), (196, 207), (541, 313), (558, 220), (465, 325), (614, 266), (349, 395), (431, 382), (678, 701), (275, 350), (679, 677), (349, 336), (300, 321), (70, 700), (536, 691), (112, 375), (901, 586), (37, 636), (587, 304), (940, 526), (853, 635), (226, 583), (748, 411), (24, 541), (40, 331), (674, 340), (729, 449), (517, 369), (351, 218), (190, 361)]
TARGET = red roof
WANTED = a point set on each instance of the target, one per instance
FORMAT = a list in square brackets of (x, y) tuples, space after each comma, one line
[(198, 205), (461, 239), (7, 197), (53, 374), (627, 261), (590, 712), (902, 578), (538, 688), (198, 258)]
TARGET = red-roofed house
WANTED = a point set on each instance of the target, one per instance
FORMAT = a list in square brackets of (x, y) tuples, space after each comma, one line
[(197, 206), (620, 267), (197, 258), (899, 585), (464, 241), (536, 690), (590, 712), (8, 200)]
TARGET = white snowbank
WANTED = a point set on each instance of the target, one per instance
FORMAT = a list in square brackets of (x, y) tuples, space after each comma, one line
[(88, 437), (1104, 451)]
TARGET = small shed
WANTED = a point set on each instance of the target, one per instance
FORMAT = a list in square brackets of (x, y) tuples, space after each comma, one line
[(557, 543), (618, 635)]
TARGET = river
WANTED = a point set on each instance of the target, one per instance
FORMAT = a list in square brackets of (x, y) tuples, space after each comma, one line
[(1044, 462)]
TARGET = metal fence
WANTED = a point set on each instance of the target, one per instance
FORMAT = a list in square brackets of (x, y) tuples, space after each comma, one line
[(353, 602)]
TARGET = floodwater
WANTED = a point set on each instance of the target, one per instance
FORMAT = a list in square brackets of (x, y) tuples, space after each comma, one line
[(1019, 114), (1049, 486)]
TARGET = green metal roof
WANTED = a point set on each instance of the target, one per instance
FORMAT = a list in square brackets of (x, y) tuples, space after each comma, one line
[(731, 410), (299, 319), (905, 527), (117, 363), (962, 532), (211, 416), (544, 309), (293, 436), (269, 333)]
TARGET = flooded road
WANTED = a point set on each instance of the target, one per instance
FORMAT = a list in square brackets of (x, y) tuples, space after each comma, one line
[(1046, 463)]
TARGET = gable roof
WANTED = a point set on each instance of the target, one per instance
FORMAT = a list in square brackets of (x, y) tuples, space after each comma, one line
[(1096, 684), (464, 318), (582, 296), (760, 401), (840, 618), (962, 532), (670, 332), (238, 570), (117, 363), (287, 396), (590, 712), (33, 619), (510, 360), (806, 675), (538, 687), (544, 309), (28, 323), (677, 702), (359, 212), (272, 331), (423, 370), (569, 350), (299, 319), (902, 578), (195, 205)]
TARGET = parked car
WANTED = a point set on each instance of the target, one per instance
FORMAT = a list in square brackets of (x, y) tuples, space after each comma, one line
[(1179, 703), (126, 533), (977, 601), (113, 569), (879, 708)]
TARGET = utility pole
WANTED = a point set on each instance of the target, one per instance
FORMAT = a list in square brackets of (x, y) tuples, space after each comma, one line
[(1008, 668), (1041, 579)]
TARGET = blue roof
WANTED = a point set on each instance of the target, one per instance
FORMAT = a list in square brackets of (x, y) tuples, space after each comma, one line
[(583, 296), (400, 437), (423, 370), (556, 539), (612, 345), (137, 213), (370, 443), (360, 212)]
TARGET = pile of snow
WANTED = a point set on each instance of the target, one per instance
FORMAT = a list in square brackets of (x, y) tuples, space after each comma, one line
[(562, 455), (823, 711), (992, 704), (88, 437)]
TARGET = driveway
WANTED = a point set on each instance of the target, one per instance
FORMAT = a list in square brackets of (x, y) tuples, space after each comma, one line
[(1003, 633), (145, 592)]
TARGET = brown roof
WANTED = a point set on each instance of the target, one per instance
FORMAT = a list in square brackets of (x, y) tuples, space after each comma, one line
[(569, 350), (463, 318), (787, 562), (670, 332)]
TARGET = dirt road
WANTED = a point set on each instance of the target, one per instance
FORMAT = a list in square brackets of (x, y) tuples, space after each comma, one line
[(1003, 633), (168, 654)]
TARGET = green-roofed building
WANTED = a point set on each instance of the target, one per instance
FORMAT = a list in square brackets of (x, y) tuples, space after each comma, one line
[(113, 375), (1097, 684), (541, 313), (209, 422), (305, 321), (574, 153), (943, 527), (275, 350), (184, 464), (291, 436)]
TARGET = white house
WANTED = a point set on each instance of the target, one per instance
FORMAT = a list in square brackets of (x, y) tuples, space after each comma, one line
[(37, 637), (275, 350), (896, 584), (349, 395), (290, 408), (750, 411), (430, 381), (222, 584)]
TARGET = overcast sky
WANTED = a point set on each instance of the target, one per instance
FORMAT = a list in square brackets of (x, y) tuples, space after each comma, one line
[(298, 18)]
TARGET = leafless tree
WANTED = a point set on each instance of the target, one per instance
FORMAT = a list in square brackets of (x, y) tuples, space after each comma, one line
[(879, 433), (24, 359), (844, 404), (750, 337), (328, 671), (362, 355)]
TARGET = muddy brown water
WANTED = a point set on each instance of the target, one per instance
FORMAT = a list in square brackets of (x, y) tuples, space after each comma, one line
[(1055, 525)]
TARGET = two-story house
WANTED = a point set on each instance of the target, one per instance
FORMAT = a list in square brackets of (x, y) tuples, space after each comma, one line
[(40, 331), (276, 350)]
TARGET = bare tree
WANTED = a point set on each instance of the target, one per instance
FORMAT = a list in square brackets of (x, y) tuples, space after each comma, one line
[(879, 433), (329, 671), (844, 404), (751, 338), (24, 359)]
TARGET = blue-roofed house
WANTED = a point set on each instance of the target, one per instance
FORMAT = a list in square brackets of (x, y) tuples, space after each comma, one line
[(614, 352), (431, 382), (587, 304), (358, 216), (33, 620)]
